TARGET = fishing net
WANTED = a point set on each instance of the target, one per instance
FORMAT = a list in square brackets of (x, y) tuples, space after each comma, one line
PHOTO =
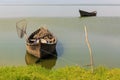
[(21, 28)]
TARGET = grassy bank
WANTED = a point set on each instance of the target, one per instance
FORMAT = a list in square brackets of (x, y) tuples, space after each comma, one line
[(66, 73)]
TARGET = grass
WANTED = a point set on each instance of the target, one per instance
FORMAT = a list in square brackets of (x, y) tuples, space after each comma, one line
[(66, 73)]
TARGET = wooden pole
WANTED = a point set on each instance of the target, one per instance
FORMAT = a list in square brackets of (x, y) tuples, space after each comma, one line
[(89, 47)]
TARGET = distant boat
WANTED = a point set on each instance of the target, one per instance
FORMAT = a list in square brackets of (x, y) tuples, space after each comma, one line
[(87, 14), (41, 43)]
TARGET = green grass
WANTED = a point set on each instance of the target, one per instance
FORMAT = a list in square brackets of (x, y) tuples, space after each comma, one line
[(66, 73)]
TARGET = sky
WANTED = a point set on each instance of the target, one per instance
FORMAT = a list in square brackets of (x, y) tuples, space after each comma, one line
[(21, 8), (61, 1)]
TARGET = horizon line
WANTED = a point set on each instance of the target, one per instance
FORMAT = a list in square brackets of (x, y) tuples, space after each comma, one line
[(36, 4)]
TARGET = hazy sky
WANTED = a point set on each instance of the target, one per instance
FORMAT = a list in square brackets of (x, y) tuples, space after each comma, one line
[(16, 10), (62, 1)]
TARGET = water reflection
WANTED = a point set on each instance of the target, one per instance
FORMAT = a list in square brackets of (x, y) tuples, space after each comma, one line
[(48, 62)]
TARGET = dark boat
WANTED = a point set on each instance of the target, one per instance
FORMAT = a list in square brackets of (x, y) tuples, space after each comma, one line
[(87, 14), (41, 43)]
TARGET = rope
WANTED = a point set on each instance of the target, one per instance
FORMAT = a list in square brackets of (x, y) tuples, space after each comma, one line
[(64, 60)]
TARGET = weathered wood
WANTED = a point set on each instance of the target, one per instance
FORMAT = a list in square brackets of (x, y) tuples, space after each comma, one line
[(90, 49), (41, 43)]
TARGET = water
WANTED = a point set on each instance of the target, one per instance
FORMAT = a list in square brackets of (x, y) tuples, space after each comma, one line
[(56, 10), (103, 33)]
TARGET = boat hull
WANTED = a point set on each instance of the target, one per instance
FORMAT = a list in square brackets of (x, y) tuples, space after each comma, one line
[(41, 43), (41, 50), (87, 14), (34, 50)]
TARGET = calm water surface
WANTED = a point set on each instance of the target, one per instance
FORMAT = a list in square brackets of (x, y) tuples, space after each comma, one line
[(103, 33)]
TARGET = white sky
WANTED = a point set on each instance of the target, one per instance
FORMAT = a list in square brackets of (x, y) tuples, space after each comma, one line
[(16, 10), (61, 1)]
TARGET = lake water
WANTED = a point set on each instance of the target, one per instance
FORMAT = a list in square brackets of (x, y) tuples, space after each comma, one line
[(103, 33)]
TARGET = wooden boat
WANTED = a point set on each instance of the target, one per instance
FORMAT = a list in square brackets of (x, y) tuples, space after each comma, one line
[(87, 14), (41, 43)]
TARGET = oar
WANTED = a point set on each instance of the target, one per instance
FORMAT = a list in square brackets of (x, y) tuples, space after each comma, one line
[(21, 28)]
